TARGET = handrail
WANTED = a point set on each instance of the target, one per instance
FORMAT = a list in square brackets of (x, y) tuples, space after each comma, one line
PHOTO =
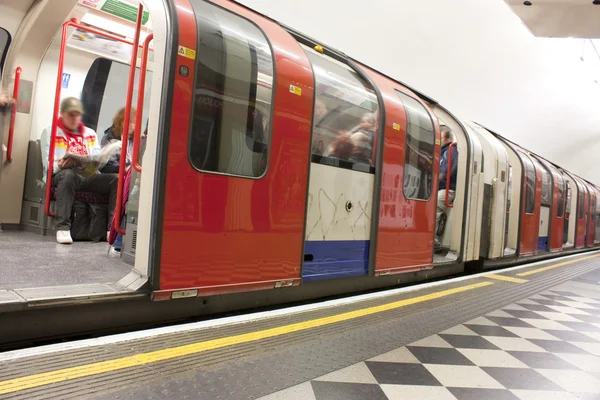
[(127, 119), (13, 115), (135, 162), (61, 57), (448, 173)]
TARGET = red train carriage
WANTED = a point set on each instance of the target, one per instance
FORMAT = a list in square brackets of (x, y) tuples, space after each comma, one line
[(271, 161)]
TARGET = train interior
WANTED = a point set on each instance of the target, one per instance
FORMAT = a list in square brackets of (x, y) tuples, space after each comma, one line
[(95, 69)]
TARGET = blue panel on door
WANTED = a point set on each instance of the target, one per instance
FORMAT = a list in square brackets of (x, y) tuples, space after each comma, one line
[(543, 243), (335, 259)]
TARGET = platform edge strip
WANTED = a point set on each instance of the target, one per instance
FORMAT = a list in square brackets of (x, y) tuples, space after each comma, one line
[(506, 278), (538, 270), (47, 378)]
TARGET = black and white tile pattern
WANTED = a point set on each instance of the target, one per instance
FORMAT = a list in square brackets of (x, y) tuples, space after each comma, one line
[(545, 347)]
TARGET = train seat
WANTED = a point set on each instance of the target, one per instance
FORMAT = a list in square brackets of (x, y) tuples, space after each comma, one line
[(86, 197), (34, 198)]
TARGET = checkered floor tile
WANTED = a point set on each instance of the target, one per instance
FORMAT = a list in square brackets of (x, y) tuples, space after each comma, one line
[(545, 347)]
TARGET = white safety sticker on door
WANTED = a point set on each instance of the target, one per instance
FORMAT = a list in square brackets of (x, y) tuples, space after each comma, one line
[(187, 53)]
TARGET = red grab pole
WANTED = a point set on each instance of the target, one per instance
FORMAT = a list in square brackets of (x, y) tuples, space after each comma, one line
[(11, 129), (140, 105), (126, 120), (61, 58), (448, 174)]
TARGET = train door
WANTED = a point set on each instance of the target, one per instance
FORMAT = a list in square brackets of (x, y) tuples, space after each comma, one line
[(545, 219), (597, 227), (591, 222), (570, 225), (14, 69), (6, 111), (582, 204), (557, 211), (494, 226), (237, 155), (339, 213), (509, 191), (514, 203), (406, 204), (530, 217)]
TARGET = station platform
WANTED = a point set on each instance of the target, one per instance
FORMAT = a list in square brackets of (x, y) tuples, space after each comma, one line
[(528, 332)]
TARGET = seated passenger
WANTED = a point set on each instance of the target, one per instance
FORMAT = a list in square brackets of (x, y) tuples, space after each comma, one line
[(447, 139), (112, 135), (341, 148), (362, 148), (115, 239), (5, 100), (73, 137), (367, 127)]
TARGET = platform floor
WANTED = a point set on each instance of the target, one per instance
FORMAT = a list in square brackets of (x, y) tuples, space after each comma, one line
[(30, 260), (543, 347), (525, 333)]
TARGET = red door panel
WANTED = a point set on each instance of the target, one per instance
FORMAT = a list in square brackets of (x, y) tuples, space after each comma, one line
[(405, 234), (530, 221), (557, 220), (582, 208), (224, 232), (591, 220)]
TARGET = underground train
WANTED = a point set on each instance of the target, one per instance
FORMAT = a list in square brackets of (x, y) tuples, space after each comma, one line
[(241, 199)]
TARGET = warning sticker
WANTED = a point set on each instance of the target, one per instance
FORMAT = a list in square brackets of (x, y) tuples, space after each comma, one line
[(396, 126), (437, 141), (187, 53), (296, 90)]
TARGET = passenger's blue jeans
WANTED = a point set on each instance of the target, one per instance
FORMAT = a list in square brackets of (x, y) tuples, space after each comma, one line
[(118, 244)]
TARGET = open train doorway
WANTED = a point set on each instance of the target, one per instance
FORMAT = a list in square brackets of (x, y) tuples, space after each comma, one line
[(89, 106)]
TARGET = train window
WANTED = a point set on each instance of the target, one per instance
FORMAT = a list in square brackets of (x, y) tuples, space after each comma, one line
[(546, 189), (420, 138), (560, 200), (230, 130), (581, 201), (529, 186), (568, 197), (345, 116), (4, 43)]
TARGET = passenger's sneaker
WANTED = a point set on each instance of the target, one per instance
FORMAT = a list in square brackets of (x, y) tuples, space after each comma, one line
[(114, 252), (64, 237)]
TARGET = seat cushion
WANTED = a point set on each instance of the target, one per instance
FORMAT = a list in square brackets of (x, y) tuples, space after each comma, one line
[(86, 197)]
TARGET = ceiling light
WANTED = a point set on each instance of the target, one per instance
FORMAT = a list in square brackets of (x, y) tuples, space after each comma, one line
[(528, 3)]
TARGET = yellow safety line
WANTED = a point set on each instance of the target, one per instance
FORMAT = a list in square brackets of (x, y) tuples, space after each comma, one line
[(61, 375), (536, 271), (506, 278)]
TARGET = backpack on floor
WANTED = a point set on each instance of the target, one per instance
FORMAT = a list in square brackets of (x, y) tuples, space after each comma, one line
[(89, 221)]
